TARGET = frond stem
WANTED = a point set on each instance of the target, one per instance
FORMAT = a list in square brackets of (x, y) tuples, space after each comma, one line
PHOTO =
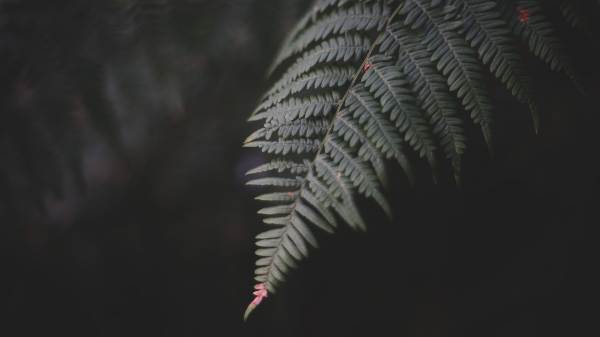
[(341, 101)]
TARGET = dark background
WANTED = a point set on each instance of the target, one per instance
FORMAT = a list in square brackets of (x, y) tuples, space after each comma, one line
[(161, 243)]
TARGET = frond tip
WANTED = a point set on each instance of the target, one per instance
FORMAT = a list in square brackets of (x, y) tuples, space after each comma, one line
[(260, 293)]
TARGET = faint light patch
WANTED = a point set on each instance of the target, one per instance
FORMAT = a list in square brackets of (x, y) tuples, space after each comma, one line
[(245, 164)]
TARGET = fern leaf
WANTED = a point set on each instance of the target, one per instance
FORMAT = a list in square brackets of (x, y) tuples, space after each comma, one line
[(319, 6), (536, 30), (283, 245), (319, 206), (343, 2), (340, 48), (352, 132), (388, 82), (277, 196), (303, 127), (340, 187), (431, 87), (428, 55), (314, 105), (380, 131), (275, 181), (359, 17), (483, 28), (285, 146), (358, 171), (327, 199), (453, 59), (280, 164), (328, 76)]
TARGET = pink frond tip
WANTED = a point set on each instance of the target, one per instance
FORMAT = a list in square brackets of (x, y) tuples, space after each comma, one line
[(367, 66), (260, 293)]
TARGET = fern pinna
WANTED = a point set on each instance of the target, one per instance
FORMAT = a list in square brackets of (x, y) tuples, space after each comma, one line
[(371, 100)]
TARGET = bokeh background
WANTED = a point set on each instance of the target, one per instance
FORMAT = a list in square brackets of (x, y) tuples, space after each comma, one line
[(124, 209)]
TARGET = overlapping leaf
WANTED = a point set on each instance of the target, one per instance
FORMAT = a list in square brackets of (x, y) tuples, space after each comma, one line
[(454, 58), (328, 76), (387, 83), (361, 16), (483, 28), (336, 49), (415, 60), (313, 105), (536, 30)]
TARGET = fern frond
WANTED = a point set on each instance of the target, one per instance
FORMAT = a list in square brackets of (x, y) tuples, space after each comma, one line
[(327, 199), (280, 164), (304, 127), (277, 196), (314, 105), (536, 31), (331, 186), (319, 206), (275, 181), (340, 187), (335, 49), (328, 76), (352, 132), (420, 61), (454, 60), (357, 170), (284, 245), (388, 82), (482, 27), (359, 17), (285, 146), (367, 111), (319, 6), (431, 87)]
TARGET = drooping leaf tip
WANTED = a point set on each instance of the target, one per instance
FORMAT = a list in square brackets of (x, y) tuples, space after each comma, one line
[(260, 293), (251, 308)]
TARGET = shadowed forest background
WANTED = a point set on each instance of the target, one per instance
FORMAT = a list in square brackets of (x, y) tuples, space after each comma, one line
[(124, 209)]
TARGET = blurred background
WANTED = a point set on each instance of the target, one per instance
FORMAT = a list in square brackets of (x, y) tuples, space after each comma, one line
[(124, 209)]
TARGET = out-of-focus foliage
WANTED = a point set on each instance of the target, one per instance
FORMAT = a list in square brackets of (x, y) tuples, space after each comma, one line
[(119, 68)]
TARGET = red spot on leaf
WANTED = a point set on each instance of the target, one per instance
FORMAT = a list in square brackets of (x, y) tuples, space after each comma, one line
[(367, 66), (523, 14), (291, 194)]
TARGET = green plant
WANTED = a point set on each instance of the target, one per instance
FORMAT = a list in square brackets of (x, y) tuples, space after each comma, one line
[(375, 78)]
